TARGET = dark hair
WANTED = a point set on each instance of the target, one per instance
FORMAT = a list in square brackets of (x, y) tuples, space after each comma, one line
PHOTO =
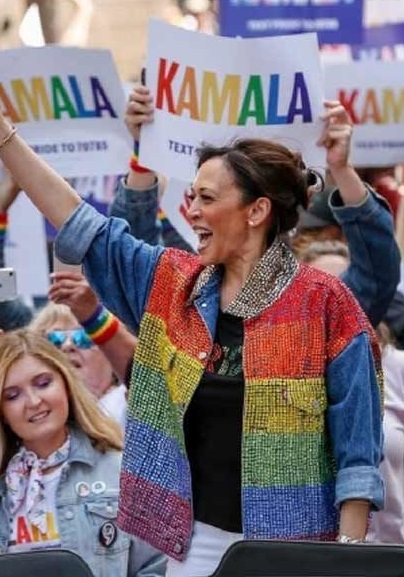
[(263, 168)]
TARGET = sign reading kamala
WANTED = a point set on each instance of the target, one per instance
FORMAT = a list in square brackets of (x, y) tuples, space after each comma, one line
[(373, 94), (213, 89), (68, 104), (335, 21)]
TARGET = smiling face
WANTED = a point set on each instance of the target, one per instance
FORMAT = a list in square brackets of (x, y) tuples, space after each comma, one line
[(218, 216), (34, 404)]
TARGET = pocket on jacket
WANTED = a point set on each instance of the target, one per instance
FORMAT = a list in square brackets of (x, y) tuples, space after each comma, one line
[(108, 538), (306, 405)]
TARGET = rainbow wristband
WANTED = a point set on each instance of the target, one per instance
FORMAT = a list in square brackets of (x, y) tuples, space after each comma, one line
[(101, 326), (165, 224), (3, 224), (134, 160)]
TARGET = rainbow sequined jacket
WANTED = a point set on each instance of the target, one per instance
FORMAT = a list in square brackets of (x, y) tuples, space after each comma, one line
[(312, 416)]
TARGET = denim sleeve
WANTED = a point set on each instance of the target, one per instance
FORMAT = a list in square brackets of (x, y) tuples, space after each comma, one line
[(374, 271), (118, 266), (145, 561), (139, 209), (355, 422)]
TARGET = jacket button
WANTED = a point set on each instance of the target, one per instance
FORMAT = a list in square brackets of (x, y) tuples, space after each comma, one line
[(202, 355), (69, 515), (178, 548)]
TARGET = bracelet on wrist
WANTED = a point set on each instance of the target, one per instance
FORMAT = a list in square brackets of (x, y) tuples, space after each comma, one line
[(101, 326), (8, 137), (349, 540), (134, 160), (136, 167)]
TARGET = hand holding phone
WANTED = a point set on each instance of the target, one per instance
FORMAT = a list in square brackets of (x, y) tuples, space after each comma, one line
[(59, 266), (8, 284)]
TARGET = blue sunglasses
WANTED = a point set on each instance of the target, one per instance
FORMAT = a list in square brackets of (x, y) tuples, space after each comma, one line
[(78, 337)]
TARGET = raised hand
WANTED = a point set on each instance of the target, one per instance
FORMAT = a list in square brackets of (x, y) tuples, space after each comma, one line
[(139, 110), (337, 134), (73, 290)]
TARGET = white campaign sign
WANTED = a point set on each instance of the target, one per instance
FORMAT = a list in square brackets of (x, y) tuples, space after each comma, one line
[(175, 205), (213, 89), (26, 248), (68, 103), (373, 93)]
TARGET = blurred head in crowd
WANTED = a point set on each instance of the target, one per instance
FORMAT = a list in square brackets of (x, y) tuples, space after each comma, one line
[(316, 223), (331, 256), (196, 15), (60, 326), (14, 314)]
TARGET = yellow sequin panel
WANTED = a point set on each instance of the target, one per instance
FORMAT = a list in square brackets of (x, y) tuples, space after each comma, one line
[(148, 351), (155, 351), (285, 405)]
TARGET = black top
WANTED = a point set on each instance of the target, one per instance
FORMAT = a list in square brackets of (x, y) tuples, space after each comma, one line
[(213, 430)]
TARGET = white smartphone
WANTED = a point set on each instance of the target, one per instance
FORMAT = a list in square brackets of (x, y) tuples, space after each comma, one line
[(8, 284), (59, 266)]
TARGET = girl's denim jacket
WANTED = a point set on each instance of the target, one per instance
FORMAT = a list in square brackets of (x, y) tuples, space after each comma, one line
[(80, 518)]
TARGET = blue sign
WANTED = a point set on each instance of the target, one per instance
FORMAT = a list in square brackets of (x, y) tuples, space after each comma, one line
[(378, 40), (335, 21)]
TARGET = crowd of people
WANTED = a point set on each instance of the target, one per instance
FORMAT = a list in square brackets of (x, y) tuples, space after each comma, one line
[(168, 402)]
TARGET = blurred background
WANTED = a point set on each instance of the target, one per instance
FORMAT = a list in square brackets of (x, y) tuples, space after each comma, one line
[(121, 25)]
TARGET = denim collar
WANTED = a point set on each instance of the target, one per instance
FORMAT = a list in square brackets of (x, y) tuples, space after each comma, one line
[(81, 447), (269, 278)]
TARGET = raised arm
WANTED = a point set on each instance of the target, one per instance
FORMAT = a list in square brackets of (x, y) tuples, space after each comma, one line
[(139, 111), (365, 219), (336, 138), (137, 194), (40, 182)]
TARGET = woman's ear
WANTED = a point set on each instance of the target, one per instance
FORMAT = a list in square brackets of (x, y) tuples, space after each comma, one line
[(259, 211)]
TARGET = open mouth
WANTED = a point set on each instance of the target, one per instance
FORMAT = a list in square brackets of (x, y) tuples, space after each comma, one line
[(39, 417), (204, 238)]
